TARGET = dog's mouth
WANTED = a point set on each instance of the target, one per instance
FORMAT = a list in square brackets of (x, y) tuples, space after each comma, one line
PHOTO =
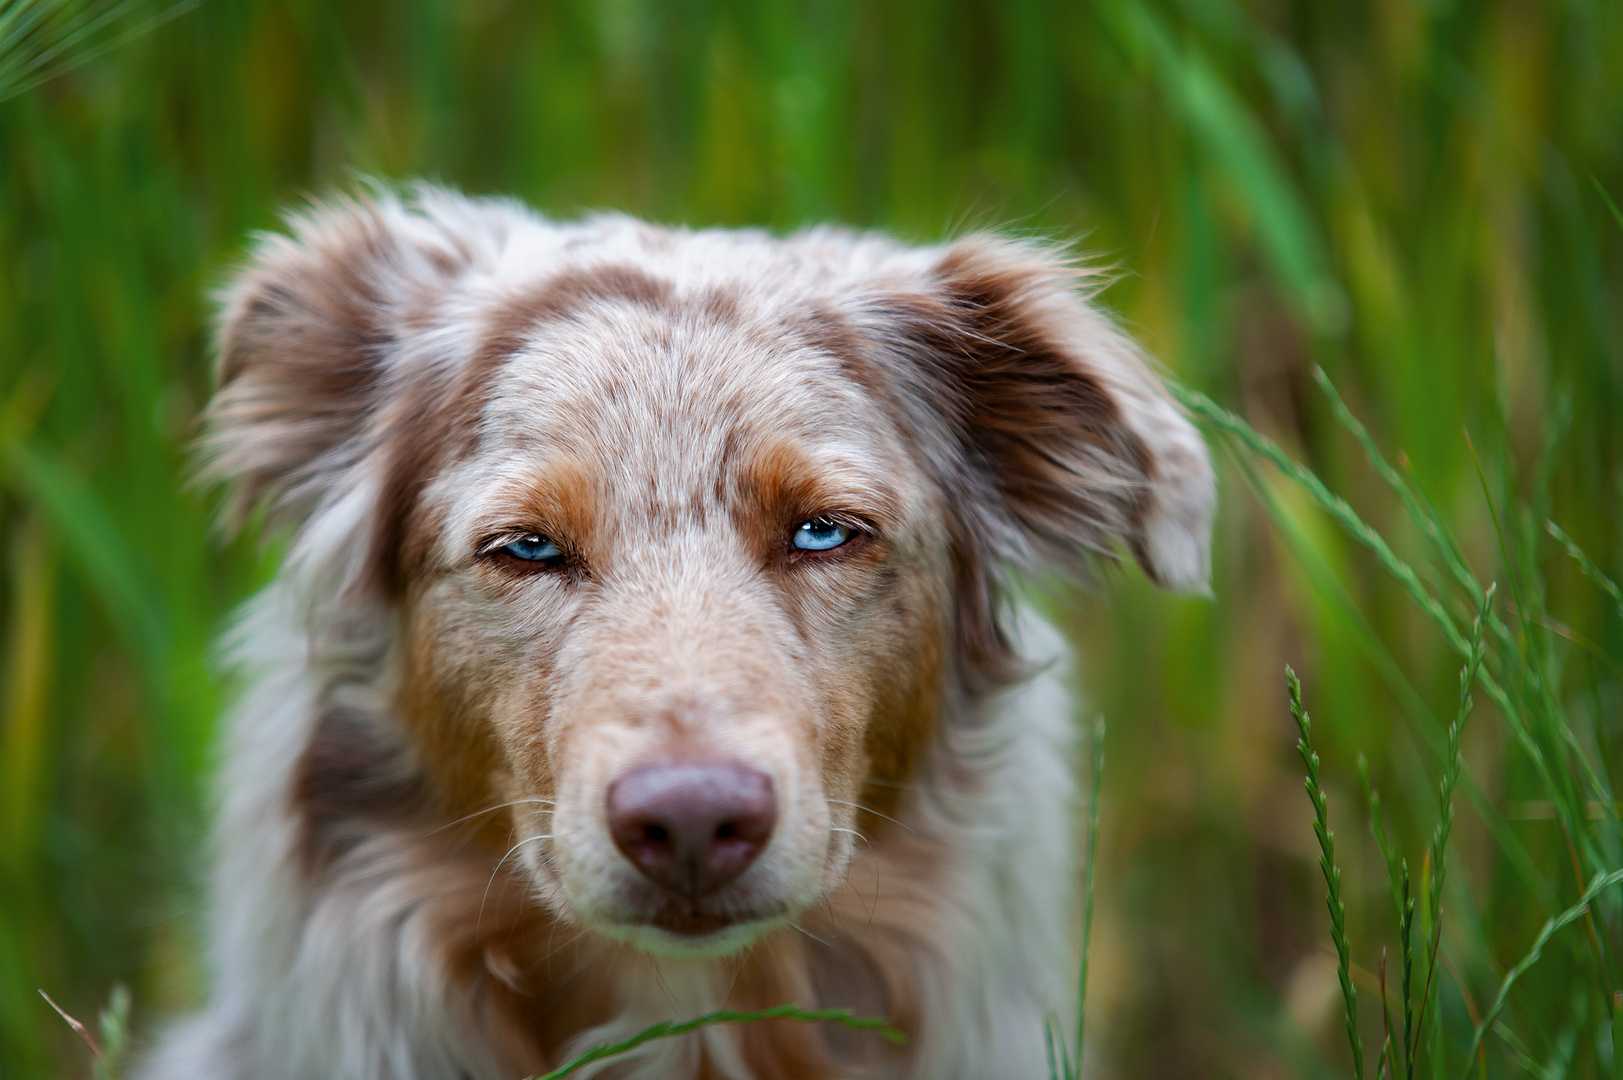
[(695, 922), (679, 931)]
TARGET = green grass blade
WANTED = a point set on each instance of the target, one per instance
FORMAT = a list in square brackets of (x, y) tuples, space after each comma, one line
[(1423, 721), (1059, 1062), (1445, 819), (1617, 1035), (1333, 504), (1327, 864), (1425, 517), (843, 1017), (1397, 883), (1377, 828), (1585, 563), (1098, 757), (46, 48), (1572, 914), (1235, 141), (1617, 215), (1061, 1066), (1349, 521)]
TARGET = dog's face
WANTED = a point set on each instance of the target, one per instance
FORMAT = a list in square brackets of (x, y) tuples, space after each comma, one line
[(686, 573), (685, 538)]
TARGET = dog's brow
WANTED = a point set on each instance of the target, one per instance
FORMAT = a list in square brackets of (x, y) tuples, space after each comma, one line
[(785, 475), (560, 493)]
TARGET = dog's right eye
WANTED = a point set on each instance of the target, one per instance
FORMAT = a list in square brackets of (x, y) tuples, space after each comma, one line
[(531, 549)]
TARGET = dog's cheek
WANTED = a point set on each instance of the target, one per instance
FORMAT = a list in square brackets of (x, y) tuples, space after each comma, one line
[(887, 667), (440, 708), (473, 683)]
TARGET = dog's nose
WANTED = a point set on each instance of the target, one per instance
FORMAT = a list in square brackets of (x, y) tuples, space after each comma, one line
[(692, 826)]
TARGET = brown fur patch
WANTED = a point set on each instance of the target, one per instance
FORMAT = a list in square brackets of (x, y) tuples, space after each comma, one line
[(1045, 447), (783, 486), (564, 505), (902, 729), (301, 347), (565, 296), (460, 759), (350, 780)]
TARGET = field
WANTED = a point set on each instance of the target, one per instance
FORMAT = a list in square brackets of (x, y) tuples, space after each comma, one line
[(1374, 242)]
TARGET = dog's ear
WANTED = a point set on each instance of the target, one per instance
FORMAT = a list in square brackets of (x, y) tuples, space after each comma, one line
[(1069, 443), (309, 331)]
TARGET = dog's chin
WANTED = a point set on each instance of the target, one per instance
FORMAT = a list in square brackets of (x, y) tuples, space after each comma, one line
[(689, 937)]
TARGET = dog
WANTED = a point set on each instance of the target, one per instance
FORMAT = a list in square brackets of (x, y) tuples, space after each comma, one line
[(651, 640)]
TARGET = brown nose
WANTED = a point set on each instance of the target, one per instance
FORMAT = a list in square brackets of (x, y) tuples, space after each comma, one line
[(692, 826)]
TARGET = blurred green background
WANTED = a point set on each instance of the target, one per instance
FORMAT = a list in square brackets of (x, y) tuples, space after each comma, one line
[(1408, 193)]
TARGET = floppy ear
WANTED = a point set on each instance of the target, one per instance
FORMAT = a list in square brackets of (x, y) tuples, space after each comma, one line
[(326, 336), (1069, 441), (307, 333)]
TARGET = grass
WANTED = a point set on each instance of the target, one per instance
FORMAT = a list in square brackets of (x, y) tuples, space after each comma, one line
[(1363, 229), (1560, 760), (115, 1029), (842, 1017), (1328, 867)]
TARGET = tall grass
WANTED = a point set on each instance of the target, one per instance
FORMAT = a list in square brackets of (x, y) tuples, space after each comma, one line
[(1408, 197)]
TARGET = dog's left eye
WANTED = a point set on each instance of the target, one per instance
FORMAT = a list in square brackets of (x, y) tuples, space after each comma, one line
[(532, 549), (821, 534)]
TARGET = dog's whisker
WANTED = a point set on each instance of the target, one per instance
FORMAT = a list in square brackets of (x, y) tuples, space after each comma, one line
[(479, 922), (811, 935), (875, 813), (491, 810)]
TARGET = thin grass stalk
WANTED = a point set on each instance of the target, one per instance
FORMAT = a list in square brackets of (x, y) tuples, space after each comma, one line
[(1327, 864), (1347, 518), (1424, 516), (1432, 733), (1333, 504), (1383, 1064), (1061, 1066), (1569, 802), (1406, 947), (1445, 820), (1349, 521), (1429, 521), (1088, 890), (115, 1027), (1515, 661), (1525, 651), (1524, 1056), (1377, 828), (843, 1017), (1397, 884), (1617, 215), (78, 1029), (1586, 564), (43, 46), (1572, 914), (1059, 1063), (1617, 1035)]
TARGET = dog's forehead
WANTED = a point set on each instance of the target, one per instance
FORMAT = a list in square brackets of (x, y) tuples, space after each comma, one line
[(637, 371)]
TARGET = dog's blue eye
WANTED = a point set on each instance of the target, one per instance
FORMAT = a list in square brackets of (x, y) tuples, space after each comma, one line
[(821, 534), (532, 549)]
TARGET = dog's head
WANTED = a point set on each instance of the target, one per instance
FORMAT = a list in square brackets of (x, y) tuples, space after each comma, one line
[(686, 539)]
